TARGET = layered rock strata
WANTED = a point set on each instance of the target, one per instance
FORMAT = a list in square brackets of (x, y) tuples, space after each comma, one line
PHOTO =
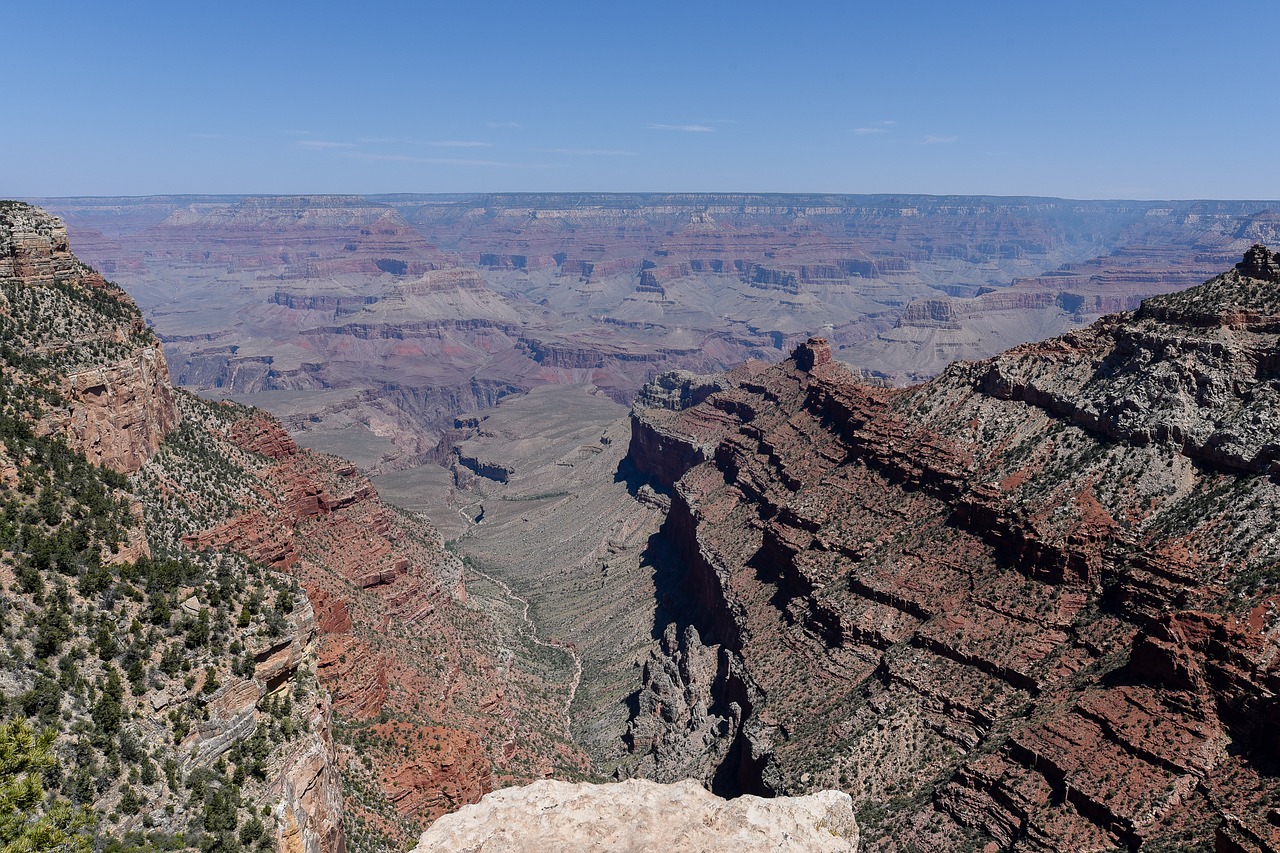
[(305, 665), (374, 321), (118, 403), (1029, 603), (84, 399)]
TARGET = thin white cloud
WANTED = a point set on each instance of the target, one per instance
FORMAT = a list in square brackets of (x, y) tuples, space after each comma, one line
[(322, 145), (458, 143), (685, 128), (877, 127), (587, 152), (461, 161), (435, 143), (939, 140), (385, 158), (439, 161)]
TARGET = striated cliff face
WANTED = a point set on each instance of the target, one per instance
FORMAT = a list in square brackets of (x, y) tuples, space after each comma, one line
[(664, 443), (117, 403), (119, 413), (1031, 602)]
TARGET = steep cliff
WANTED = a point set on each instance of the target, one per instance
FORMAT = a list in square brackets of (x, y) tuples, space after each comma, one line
[(116, 401), (115, 638), (238, 645), (1031, 602)]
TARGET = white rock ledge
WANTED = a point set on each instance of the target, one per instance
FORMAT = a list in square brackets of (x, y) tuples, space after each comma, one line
[(638, 815)]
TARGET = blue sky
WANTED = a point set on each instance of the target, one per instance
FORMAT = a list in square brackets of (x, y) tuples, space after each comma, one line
[(1085, 100)]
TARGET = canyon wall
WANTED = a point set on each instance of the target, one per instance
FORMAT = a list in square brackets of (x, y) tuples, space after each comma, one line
[(1030, 602), (119, 403), (236, 641)]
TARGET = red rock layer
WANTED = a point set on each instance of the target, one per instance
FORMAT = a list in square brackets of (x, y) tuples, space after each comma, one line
[(1029, 603), (409, 664)]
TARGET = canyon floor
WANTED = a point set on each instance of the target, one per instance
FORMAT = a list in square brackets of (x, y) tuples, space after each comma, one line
[(565, 532)]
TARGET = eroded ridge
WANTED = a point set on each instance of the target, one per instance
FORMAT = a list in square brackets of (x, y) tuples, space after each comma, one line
[(1030, 602)]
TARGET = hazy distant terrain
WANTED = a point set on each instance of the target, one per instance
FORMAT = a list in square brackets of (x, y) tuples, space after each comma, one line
[(373, 321)]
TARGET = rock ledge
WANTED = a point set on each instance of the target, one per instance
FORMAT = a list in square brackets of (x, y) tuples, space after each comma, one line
[(642, 815)]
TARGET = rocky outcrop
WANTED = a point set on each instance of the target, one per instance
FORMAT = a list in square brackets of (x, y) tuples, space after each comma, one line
[(678, 389), (118, 403), (684, 723), (1260, 263), (119, 414), (495, 471), (640, 815), (308, 793), (1028, 603), (34, 246), (665, 443)]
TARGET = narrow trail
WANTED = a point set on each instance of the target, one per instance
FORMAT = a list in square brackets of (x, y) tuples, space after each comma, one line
[(530, 630)]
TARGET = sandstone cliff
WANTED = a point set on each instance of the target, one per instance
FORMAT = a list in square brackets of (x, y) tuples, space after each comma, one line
[(1029, 603), (117, 403)]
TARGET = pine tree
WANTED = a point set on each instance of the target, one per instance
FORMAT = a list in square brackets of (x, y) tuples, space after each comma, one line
[(27, 823)]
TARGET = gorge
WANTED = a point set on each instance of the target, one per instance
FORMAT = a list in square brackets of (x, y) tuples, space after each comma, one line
[(1026, 604)]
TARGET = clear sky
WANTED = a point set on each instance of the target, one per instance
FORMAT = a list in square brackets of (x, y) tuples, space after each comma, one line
[(1119, 99)]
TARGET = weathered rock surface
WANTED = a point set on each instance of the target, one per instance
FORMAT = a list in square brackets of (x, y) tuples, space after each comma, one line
[(85, 388), (120, 413), (1029, 603), (678, 389), (307, 795), (118, 400), (640, 815), (1260, 263)]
